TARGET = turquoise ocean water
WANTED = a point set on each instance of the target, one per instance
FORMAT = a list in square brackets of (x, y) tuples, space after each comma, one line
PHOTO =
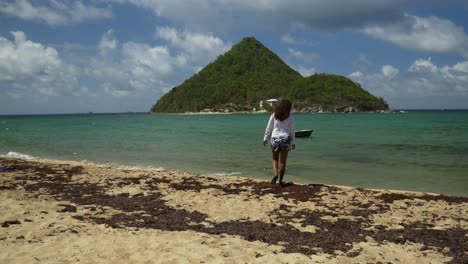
[(416, 150)]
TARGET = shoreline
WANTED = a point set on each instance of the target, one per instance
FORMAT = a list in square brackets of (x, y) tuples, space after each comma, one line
[(84, 212), (150, 168), (294, 112)]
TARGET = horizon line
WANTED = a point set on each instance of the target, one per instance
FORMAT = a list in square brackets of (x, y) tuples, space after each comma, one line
[(147, 112)]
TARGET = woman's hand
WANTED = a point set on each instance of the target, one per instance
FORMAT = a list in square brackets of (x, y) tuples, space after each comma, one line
[(293, 146), (264, 142)]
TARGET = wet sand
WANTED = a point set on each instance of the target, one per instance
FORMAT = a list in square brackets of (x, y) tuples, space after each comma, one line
[(70, 212)]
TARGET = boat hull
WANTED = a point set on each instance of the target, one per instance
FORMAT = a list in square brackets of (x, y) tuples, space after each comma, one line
[(304, 133)]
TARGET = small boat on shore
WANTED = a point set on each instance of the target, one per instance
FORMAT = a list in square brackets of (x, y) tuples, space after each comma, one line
[(304, 132)]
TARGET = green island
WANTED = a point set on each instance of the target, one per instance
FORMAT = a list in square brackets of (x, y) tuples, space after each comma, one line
[(245, 77)]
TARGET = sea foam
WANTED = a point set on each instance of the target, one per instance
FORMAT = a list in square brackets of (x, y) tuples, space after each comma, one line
[(124, 167), (18, 155), (228, 173), (13, 154)]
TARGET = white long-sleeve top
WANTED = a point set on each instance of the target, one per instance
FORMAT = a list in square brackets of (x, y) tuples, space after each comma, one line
[(279, 128)]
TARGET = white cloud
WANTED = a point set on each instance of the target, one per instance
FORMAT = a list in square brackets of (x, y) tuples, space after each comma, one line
[(134, 68), (422, 34), (32, 70), (108, 42), (421, 65), (423, 82), (147, 60), (363, 63), (137, 67), (197, 69), (462, 67), (305, 72), (27, 66), (54, 12), (356, 75), (389, 71), (379, 19), (197, 47), (307, 57), (22, 58), (37, 79), (299, 58), (288, 39)]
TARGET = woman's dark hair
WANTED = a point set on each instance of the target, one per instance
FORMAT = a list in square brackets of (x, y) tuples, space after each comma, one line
[(282, 110)]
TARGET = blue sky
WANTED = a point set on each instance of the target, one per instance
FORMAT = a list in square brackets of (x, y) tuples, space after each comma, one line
[(122, 55)]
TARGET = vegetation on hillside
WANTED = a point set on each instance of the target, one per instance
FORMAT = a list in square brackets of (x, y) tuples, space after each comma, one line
[(249, 73)]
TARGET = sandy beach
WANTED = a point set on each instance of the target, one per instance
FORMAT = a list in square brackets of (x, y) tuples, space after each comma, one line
[(71, 212)]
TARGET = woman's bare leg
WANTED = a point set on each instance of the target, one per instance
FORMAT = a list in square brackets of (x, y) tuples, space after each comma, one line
[(275, 155), (282, 168)]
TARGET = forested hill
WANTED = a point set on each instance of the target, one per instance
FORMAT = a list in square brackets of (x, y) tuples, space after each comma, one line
[(249, 73)]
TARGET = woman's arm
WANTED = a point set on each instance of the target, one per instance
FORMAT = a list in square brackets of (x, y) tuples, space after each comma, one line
[(269, 127), (293, 131)]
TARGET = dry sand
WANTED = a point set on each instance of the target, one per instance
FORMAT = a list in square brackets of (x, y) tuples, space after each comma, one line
[(69, 212)]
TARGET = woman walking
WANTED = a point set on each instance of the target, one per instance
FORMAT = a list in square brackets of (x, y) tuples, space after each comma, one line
[(281, 128)]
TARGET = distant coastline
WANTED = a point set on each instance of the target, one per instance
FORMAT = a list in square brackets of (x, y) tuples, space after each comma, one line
[(223, 113), (266, 112)]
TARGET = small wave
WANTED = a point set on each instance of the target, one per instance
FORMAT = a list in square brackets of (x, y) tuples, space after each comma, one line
[(124, 167), (13, 154), (228, 173)]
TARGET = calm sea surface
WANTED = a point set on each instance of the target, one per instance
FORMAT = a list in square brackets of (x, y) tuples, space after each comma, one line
[(417, 150)]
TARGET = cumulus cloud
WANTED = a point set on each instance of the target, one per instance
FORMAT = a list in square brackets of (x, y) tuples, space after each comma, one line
[(425, 65), (461, 67), (301, 61), (356, 75), (35, 73), (54, 12), (197, 47), (389, 71), (305, 72), (128, 76), (108, 42), (423, 82), (363, 63), (380, 19), (21, 58), (27, 66), (147, 60), (288, 39), (135, 67), (431, 34), (304, 56)]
